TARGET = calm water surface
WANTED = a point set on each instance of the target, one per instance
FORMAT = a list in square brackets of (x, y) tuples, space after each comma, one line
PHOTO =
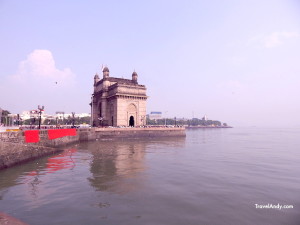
[(213, 176)]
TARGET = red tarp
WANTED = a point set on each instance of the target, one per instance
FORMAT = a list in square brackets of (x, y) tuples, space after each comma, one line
[(32, 136), (58, 133)]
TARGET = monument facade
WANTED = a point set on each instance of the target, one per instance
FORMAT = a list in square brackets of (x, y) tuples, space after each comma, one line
[(118, 101)]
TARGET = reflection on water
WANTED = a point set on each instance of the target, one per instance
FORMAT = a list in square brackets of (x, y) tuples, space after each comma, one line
[(63, 161), (213, 176), (58, 162), (31, 173), (35, 168), (12, 175), (113, 162), (116, 164)]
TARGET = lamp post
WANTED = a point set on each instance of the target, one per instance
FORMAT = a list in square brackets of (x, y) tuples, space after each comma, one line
[(73, 120), (166, 118), (40, 112), (18, 119)]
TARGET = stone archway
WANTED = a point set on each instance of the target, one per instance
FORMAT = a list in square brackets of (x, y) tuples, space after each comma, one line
[(131, 121), (132, 115)]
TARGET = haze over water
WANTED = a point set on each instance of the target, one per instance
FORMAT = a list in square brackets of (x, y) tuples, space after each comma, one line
[(213, 176)]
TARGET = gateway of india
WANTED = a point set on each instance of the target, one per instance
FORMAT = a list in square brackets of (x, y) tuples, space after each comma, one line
[(118, 101)]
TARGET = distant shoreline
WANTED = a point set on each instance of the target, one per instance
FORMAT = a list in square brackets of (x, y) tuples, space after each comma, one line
[(195, 127)]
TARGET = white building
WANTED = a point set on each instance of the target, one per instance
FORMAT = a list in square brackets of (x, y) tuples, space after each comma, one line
[(155, 115)]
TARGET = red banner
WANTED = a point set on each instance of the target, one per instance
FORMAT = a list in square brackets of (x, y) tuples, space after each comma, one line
[(58, 133), (32, 136)]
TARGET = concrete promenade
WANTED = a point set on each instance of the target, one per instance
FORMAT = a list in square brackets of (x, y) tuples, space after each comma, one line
[(15, 148)]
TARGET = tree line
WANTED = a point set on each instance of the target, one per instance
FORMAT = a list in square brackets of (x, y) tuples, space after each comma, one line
[(182, 122), (86, 120), (15, 121), (66, 121)]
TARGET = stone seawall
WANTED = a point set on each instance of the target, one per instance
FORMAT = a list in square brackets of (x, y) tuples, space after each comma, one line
[(103, 133), (19, 137), (14, 149), (15, 153)]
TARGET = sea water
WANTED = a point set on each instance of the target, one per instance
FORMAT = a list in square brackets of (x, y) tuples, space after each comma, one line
[(213, 176)]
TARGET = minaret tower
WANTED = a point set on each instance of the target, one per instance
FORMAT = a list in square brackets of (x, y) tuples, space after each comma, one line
[(134, 77), (96, 79), (105, 72)]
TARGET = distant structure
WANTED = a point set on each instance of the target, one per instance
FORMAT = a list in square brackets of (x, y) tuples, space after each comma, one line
[(26, 115), (0, 116), (118, 101), (155, 115)]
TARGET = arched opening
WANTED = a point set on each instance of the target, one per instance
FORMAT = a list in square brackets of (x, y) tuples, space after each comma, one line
[(131, 121), (132, 115)]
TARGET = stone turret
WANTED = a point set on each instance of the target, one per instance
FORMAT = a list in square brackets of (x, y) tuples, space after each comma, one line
[(105, 72), (96, 79), (134, 77)]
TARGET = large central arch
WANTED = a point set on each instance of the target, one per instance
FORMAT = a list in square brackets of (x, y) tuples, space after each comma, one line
[(132, 115)]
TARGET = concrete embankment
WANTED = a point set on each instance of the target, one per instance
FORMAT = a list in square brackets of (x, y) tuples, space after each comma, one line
[(14, 153), (102, 133), (15, 148)]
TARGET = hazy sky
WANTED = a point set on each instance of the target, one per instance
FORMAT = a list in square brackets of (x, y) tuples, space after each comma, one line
[(234, 61)]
